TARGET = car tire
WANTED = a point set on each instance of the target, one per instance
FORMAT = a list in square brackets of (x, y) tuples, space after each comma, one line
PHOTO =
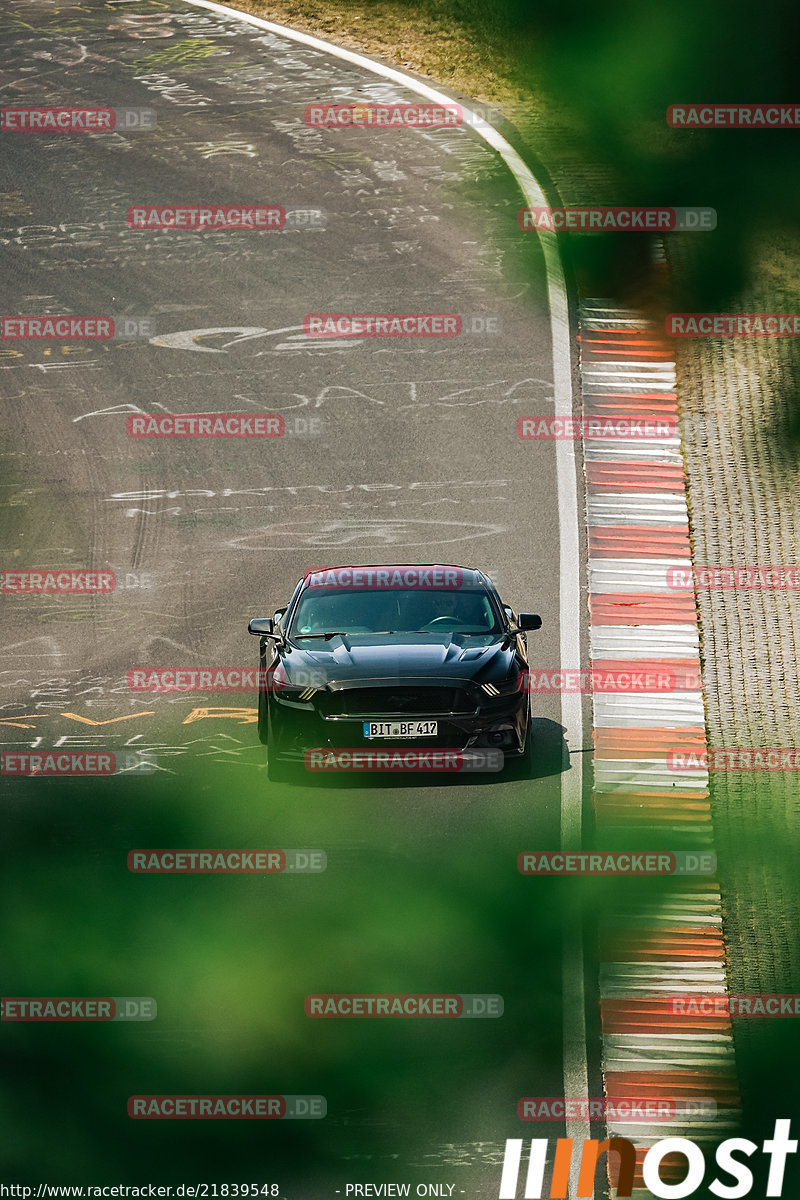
[(263, 722), (520, 767), (278, 770), (526, 758)]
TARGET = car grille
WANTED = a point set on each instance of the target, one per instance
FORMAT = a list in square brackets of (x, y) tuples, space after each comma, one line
[(423, 701)]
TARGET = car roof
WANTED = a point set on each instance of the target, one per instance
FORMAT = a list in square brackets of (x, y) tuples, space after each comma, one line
[(467, 576)]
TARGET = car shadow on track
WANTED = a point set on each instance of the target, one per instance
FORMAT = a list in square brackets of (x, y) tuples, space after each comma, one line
[(549, 756)]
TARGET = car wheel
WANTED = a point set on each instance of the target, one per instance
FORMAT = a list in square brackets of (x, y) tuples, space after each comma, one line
[(520, 767), (526, 758), (263, 722), (278, 770)]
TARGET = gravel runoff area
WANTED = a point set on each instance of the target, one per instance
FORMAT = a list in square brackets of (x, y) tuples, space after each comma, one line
[(738, 405)]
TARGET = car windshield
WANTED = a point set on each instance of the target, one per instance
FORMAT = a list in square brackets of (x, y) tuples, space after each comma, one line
[(351, 611)]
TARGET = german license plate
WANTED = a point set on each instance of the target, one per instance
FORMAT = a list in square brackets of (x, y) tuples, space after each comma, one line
[(400, 729)]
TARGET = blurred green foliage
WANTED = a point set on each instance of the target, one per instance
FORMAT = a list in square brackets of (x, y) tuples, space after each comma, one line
[(403, 907), (616, 68)]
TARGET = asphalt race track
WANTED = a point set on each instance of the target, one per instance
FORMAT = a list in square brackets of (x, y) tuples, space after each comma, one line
[(394, 450)]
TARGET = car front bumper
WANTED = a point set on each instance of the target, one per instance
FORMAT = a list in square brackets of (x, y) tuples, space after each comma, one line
[(298, 727)]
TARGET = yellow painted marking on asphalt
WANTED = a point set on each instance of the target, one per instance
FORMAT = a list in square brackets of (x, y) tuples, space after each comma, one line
[(245, 716), (112, 721)]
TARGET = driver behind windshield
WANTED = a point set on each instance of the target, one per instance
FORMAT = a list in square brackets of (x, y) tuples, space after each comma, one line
[(454, 610), (392, 611), (443, 604)]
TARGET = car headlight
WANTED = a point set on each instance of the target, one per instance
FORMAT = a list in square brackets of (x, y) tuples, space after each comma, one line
[(277, 681), (508, 687)]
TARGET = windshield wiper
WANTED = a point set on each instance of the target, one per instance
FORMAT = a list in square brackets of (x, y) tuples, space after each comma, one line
[(346, 633), (454, 631), (327, 636)]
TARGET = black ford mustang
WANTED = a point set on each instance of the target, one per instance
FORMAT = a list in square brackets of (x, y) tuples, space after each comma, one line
[(376, 657)]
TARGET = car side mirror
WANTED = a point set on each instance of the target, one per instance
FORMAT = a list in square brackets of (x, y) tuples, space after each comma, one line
[(264, 627), (529, 621)]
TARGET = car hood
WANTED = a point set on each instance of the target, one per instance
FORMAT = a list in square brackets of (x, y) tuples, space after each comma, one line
[(360, 659)]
